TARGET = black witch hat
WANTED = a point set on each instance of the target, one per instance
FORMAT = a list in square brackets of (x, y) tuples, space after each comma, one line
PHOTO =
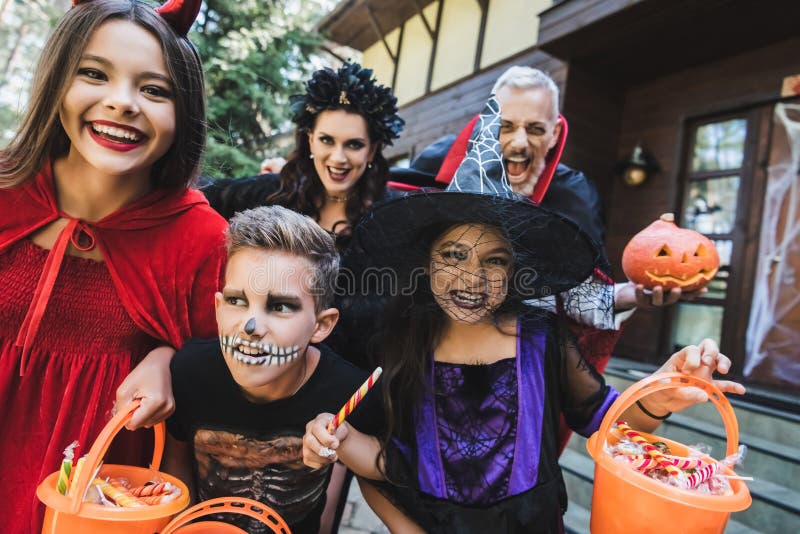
[(551, 254)]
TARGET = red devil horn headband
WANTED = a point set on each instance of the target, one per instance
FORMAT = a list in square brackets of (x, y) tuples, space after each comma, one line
[(180, 14)]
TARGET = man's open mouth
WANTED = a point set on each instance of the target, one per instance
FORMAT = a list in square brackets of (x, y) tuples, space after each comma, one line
[(517, 165)]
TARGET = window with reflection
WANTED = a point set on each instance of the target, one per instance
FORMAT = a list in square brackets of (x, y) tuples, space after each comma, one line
[(713, 178), (694, 322), (719, 285), (719, 146), (711, 205)]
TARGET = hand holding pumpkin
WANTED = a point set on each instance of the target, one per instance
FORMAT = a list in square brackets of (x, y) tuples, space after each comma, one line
[(632, 295), (667, 257), (659, 296)]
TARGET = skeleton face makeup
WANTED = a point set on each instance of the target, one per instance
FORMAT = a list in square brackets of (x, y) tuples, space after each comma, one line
[(257, 353), (469, 270), (266, 317), (250, 326)]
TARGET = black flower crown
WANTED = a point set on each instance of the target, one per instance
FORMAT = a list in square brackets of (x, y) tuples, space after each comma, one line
[(352, 88)]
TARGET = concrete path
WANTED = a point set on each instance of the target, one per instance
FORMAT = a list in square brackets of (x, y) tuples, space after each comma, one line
[(358, 517)]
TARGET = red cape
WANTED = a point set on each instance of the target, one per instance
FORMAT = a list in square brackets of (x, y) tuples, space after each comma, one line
[(165, 253)]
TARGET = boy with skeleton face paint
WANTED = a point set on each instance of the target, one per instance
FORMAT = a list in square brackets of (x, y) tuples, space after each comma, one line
[(243, 399)]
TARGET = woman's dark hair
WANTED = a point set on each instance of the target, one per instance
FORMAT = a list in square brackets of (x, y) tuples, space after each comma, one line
[(352, 89), (301, 188)]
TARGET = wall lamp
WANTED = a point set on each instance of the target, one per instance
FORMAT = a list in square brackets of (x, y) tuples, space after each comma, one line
[(638, 168)]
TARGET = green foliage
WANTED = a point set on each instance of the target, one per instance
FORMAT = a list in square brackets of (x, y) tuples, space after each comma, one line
[(9, 122), (24, 27), (226, 160), (256, 53)]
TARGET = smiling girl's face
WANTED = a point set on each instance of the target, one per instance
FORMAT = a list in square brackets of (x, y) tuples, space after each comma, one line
[(341, 149), (119, 111), (469, 270)]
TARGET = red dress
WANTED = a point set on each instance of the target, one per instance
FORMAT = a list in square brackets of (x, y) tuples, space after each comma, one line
[(84, 350), (71, 329)]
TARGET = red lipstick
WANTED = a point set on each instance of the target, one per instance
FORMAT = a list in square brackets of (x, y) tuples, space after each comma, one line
[(115, 145)]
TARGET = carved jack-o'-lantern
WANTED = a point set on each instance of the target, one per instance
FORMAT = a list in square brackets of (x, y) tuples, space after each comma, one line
[(664, 255)]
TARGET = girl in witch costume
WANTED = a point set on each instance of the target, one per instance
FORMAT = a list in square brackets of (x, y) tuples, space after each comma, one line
[(99, 279), (337, 171), (474, 381)]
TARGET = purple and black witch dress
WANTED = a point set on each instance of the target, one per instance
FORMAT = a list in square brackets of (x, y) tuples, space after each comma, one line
[(485, 454)]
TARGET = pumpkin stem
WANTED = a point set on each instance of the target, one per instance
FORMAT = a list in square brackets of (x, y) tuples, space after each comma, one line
[(668, 217)]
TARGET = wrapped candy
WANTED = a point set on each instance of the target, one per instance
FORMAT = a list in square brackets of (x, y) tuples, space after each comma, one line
[(62, 483), (160, 499), (701, 475), (696, 472), (76, 472), (654, 452), (120, 482), (646, 463), (149, 490), (119, 494)]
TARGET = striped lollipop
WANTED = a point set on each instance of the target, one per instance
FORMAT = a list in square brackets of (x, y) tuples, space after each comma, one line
[(118, 493), (654, 453), (701, 475), (150, 490), (62, 484), (646, 463), (350, 405)]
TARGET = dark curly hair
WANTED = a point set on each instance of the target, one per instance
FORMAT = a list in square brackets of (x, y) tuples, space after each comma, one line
[(353, 90)]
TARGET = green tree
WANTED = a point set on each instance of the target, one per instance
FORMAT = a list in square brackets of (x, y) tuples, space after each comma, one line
[(256, 53), (24, 27)]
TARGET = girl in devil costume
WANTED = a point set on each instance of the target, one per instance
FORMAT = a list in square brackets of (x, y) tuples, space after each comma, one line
[(107, 259), (475, 380)]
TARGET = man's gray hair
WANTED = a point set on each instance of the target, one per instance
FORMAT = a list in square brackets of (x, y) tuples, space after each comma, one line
[(520, 77)]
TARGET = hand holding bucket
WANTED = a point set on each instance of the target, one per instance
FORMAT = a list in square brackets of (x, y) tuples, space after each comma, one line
[(68, 514), (625, 500)]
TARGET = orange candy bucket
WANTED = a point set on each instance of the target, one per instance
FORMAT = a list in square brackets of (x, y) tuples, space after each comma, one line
[(625, 500), (248, 507), (70, 515)]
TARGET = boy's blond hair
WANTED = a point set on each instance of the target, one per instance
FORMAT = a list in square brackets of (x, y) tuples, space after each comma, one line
[(281, 229)]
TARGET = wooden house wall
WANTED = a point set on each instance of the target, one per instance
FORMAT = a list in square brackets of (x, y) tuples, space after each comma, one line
[(655, 114)]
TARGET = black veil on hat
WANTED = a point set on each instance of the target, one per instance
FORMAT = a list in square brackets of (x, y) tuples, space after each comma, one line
[(551, 254)]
